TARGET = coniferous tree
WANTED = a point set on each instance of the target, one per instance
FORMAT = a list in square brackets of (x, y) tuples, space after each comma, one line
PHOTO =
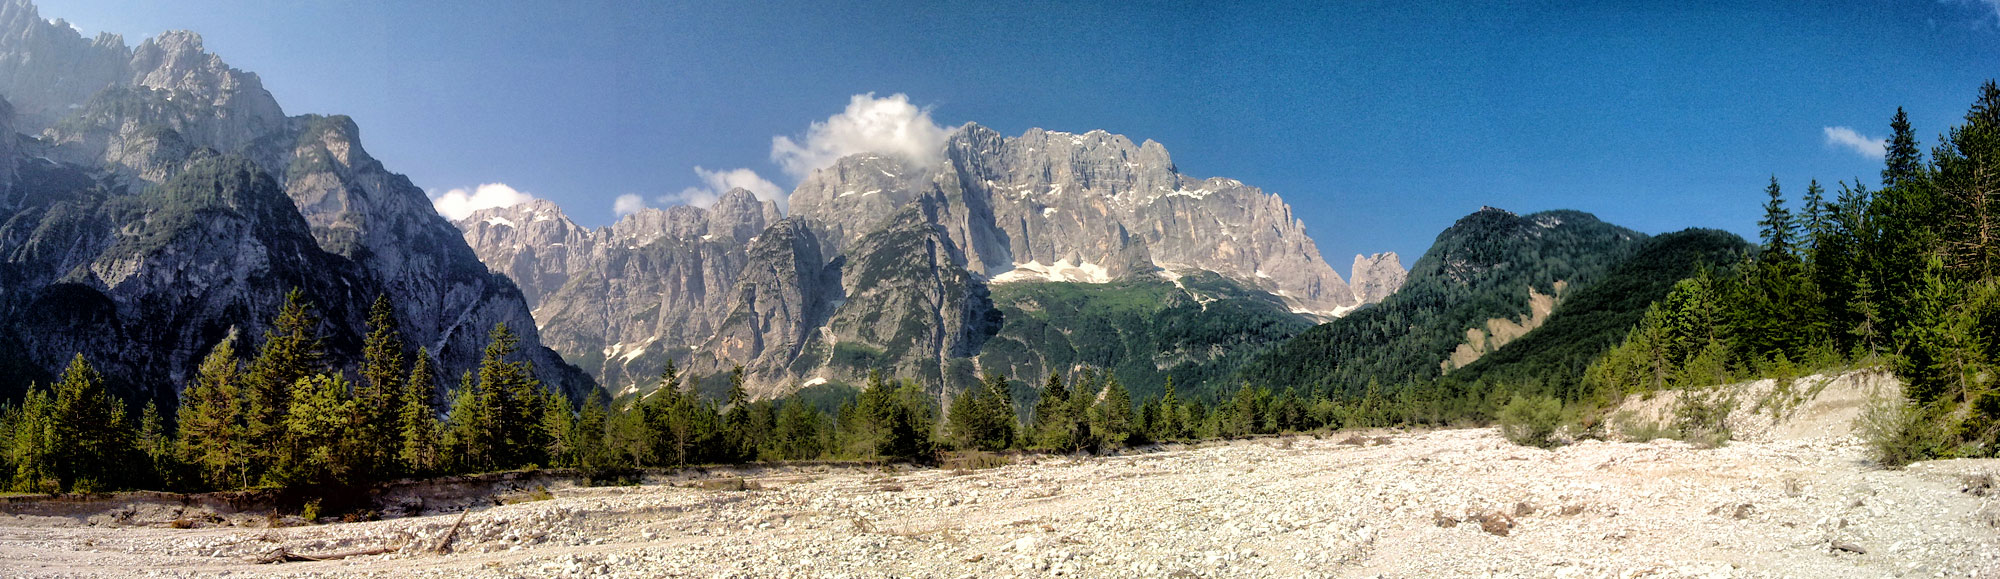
[(211, 421), (982, 417), (1967, 182), (418, 446), (319, 447), (1776, 228), (31, 447), (798, 435), (380, 392), (91, 438), (511, 431), (292, 351), (1904, 162), (467, 446), (1053, 424), (1112, 417), (1814, 223), (156, 445)]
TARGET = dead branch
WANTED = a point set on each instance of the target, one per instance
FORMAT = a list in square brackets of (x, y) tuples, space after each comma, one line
[(284, 555), (444, 545)]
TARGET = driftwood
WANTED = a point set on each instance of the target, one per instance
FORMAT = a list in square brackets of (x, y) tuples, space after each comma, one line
[(284, 555), (444, 545)]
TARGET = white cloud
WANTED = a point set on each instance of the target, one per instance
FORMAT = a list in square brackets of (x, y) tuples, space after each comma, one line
[(458, 204), (889, 126), (628, 204), (716, 183), (1853, 140)]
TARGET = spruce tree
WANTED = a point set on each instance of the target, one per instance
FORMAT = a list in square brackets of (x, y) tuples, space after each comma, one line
[(1113, 414), (320, 445), (1904, 162), (91, 438), (1052, 421), (211, 421), (293, 350), (380, 391), (418, 449), (32, 443), (156, 445), (1776, 228)]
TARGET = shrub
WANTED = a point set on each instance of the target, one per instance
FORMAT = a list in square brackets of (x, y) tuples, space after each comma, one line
[(1897, 432), (1531, 421), (1702, 415)]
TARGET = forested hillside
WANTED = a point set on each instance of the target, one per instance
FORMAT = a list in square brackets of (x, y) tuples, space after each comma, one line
[(1481, 268), (1594, 318)]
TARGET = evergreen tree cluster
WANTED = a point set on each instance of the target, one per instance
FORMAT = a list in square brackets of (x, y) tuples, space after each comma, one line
[(1904, 276)]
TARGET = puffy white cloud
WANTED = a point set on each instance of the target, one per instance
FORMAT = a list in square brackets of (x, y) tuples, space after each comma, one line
[(889, 126), (1853, 140), (458, 204), (716, 183), (628, 204)]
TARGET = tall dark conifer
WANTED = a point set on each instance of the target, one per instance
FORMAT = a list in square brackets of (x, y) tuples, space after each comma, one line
[(293, 349)]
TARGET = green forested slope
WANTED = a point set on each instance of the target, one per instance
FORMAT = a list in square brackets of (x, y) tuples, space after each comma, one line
[(1592, 319), (1480, 268)]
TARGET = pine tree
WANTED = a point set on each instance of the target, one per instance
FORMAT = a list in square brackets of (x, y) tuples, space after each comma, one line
[(1776, 229), (513, 433), (1112, 417), (1815, 221), (1967, 180), (799, 427), (211, 421), (1170, 425), (1904, 162), (465, 442), (320, 445), (418, 450), (157, 446), (91, 438), (380, 391), (32, 443), (591, 454), (293, 350), (1052, 420), (982, 417)]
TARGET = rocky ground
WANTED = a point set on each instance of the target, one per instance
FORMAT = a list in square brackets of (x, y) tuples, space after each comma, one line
[(1448, 503)]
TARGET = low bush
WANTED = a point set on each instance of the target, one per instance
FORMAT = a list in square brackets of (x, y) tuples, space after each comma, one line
[(1897, 432), (1531, 421)]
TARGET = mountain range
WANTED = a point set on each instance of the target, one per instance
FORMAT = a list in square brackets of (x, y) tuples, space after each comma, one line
[(913, 267), (155, 201)]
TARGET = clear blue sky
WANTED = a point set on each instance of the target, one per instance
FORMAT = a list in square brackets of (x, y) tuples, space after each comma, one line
[(1380, 122)]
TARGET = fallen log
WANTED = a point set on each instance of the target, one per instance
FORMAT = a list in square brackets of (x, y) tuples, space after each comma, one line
[(284, 555), (444, 545)]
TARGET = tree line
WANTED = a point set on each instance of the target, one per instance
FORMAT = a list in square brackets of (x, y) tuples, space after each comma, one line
[(286, 418)]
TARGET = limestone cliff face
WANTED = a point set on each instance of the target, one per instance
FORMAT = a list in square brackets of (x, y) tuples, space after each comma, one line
[(884, 265), (1377, 276), (129, 121), (620, 300), (1052, 205)]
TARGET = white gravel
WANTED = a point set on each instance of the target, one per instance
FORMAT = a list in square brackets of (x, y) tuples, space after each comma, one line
[(1293, 507)]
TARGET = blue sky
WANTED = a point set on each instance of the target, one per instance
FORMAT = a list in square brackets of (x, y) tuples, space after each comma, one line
[(1380, 122)]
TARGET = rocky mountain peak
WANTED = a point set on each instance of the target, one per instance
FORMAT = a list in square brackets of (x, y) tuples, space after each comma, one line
[(1376, 276)]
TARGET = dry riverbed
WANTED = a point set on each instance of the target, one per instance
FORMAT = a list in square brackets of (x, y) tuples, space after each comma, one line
[(1432, 504)]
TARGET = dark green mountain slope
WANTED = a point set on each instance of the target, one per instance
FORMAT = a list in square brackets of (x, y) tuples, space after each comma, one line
[(1480, 268), (1142, 328), (1594, 318)]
